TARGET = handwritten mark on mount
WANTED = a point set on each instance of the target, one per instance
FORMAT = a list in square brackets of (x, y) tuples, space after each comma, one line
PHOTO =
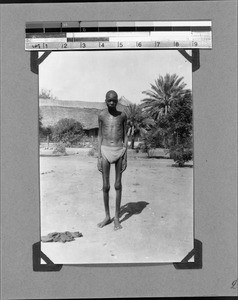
[(234, 284)]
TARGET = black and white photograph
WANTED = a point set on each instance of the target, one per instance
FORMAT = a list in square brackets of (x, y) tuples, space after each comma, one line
[(116, 156), (118, 149)]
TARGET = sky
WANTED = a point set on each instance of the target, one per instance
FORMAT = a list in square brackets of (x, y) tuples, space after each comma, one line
[(88, 75)]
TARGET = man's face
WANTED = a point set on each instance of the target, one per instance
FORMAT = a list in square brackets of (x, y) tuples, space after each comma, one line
[(111, 102)]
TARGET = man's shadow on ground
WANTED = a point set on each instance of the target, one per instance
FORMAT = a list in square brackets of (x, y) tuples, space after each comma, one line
[(132, 208)]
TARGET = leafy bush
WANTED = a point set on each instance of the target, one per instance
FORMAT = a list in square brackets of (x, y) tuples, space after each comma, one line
[(95, 145), (173, 130), (46, 94), (91, 152), (60, 149), (181, 153), (94, 149), (150, 142), (84, 141), (180, 130), (67, 131)]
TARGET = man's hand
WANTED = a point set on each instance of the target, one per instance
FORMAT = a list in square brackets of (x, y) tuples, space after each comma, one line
[(124, 163), (100, 164)]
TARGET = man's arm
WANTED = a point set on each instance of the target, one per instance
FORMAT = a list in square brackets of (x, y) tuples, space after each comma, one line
[(125, 142), (125, 132), (99, 135), (99, 143)]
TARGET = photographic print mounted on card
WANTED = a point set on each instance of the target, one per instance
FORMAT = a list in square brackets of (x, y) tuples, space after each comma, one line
[(116, 141)]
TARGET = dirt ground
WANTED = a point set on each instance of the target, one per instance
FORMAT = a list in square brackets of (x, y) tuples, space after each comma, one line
[(156, 210)]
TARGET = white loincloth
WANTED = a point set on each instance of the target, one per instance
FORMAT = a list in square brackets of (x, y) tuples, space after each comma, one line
[(112, 154)]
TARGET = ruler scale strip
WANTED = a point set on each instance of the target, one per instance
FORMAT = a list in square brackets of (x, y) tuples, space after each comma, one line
[(118, 35)]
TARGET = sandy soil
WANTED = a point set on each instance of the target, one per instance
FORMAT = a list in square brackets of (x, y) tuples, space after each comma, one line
[(156, 212)]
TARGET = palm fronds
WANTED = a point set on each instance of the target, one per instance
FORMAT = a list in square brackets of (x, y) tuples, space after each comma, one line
[(162, 94), (138, 121)]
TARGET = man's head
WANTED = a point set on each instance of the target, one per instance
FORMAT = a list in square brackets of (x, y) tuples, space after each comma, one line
[(111, 99)]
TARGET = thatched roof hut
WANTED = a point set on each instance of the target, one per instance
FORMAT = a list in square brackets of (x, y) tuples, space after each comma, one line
[(84, 112)]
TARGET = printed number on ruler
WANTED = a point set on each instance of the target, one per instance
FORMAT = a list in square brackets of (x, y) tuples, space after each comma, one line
[(34, 46)]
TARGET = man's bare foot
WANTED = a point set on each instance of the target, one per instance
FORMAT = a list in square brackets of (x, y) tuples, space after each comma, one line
[(106, 221), (117, 224)]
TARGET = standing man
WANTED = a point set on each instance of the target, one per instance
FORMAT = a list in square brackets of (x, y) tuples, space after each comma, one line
[(112, 138)]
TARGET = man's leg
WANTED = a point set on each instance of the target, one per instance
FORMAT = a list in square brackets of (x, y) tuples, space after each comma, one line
[(118, 188), (106, 188)]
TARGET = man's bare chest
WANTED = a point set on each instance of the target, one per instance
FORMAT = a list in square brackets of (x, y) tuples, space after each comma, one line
[(110, 120)]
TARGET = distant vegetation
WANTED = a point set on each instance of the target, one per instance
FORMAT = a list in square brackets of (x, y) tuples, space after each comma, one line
[(46, 94), (66, 131), (162, 120), (138, 123)]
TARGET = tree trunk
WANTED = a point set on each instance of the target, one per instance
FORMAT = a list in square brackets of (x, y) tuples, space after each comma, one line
[(48, 141), (132, 142), (165, 141)]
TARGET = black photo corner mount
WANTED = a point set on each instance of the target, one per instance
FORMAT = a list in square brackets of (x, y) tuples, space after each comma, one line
[(49, 266), (196, 253), (194, 59), (36, 61)]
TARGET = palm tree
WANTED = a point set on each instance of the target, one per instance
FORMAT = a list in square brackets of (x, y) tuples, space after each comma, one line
[(161, 98), (163, 93), (137, 122)]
